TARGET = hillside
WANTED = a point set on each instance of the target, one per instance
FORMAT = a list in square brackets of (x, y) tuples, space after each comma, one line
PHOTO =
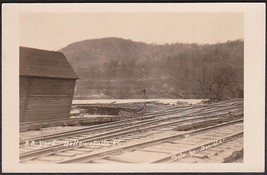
[(119, 68)]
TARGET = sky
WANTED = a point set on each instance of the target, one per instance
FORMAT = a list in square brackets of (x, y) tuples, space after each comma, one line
[(53, 31)]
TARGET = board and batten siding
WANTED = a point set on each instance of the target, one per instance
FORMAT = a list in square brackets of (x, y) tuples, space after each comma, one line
[(47, 83), (46, 98), (23, 87)]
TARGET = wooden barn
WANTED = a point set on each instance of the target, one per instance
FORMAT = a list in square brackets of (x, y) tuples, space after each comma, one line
[(47, 83)]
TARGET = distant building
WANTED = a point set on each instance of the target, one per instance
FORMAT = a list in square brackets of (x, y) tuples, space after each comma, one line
[(47, 83)]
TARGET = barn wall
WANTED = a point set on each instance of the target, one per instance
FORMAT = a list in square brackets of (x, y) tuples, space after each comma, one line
[(23, 86), (48, 98)]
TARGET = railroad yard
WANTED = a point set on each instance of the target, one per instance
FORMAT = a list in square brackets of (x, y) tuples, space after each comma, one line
[(138, 132)]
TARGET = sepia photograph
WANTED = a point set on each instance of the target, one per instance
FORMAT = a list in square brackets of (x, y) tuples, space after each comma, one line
[(131, 91), (124, 88)]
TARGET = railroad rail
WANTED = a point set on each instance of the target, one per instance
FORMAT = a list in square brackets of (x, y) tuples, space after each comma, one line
[(89, 157), (149, 119), (151, 124)]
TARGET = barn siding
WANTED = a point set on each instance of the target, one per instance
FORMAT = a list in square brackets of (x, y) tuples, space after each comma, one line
[(48, 98), (23, 86), (51, 86)]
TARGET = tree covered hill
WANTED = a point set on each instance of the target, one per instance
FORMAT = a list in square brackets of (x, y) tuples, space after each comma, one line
[(119, 68)]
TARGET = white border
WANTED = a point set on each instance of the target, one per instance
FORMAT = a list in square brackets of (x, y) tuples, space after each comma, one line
[(254, 38)]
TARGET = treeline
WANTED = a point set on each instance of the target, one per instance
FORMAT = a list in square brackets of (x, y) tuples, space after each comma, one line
[(184, 70)]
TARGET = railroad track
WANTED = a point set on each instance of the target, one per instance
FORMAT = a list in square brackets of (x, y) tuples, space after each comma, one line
[(150, 119), (159, 112), (114, 130), (164, 149), (148, 128)]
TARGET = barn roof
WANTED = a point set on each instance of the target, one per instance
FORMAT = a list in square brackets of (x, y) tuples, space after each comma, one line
[(43, 63)]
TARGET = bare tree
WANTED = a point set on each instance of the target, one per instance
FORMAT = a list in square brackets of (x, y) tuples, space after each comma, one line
[(201, 82), (213, 81), (221, 78)]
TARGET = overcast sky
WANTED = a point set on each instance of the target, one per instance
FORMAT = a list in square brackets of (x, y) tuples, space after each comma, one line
[(54, 31)]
